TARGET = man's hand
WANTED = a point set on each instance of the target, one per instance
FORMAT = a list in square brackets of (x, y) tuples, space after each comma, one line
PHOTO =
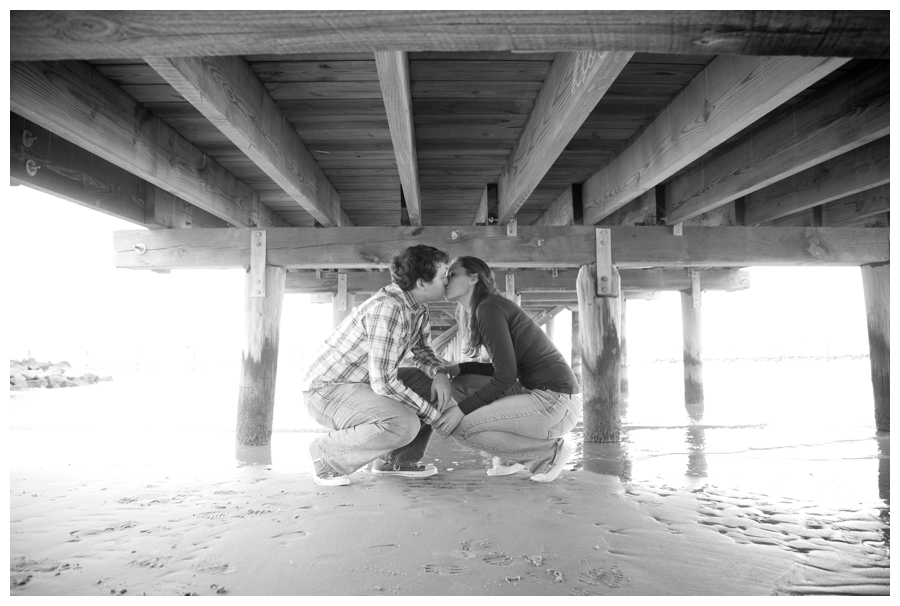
[(441, 391), (448, 421)]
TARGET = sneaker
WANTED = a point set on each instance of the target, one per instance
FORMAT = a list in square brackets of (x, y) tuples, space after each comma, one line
[(405, 470), (320, 475), (563, 452), (499, 469)]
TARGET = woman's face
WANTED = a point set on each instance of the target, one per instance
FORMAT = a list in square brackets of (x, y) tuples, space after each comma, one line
[(459, 282)]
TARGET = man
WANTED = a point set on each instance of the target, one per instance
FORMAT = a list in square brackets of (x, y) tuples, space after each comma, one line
[(377, 411)]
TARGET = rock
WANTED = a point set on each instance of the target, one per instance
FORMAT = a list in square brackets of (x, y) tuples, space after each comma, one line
[(16, 369), (31, 375), (79, 383), (106, 378), (73, 373), (56, 381), (91, 377), (18, 387), (39, 383), (18, 380), (56, 370)]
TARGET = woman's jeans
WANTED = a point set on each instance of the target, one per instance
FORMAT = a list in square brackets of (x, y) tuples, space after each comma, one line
[(365, 425), (522, 426)]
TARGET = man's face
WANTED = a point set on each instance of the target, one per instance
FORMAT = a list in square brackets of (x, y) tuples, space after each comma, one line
[(426, 292)]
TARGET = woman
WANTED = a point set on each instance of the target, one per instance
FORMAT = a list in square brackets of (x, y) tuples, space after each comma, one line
[(522, 404)]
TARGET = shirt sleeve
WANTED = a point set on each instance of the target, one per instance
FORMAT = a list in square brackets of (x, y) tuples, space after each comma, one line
[(423, 355), (494, 328), (384, 329)]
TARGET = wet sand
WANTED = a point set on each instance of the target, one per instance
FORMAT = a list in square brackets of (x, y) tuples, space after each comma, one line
[(99, 512)]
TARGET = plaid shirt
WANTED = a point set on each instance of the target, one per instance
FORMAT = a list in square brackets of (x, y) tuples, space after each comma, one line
[(369, 344)]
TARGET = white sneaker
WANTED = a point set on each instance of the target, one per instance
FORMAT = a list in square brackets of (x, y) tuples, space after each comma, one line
[(499, 469), (322, 477), (563, 452)]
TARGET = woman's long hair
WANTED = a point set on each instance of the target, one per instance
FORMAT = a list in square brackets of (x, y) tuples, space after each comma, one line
[(484, 287)]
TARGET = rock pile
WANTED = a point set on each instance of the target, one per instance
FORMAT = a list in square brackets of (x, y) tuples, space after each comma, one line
[(30, 373)]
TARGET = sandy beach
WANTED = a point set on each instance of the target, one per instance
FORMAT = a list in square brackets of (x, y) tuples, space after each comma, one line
[(165, 505)]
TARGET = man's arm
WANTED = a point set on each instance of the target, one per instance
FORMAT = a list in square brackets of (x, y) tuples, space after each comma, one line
[(384, 324)]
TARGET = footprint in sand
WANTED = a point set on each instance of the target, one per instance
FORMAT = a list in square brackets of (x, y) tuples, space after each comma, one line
[(212, 566), (290, 536), (150, 563), (438, 569), (610, 576), (462, 554), (384, 549), (498, 559), (211, 515)]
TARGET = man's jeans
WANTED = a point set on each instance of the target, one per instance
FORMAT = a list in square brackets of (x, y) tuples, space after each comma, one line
[(523, 425), (365, 425)]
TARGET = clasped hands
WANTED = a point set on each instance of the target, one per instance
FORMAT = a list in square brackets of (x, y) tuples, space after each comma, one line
[(442, 394)]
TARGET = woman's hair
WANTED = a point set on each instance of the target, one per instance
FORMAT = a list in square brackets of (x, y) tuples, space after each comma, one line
[(484, 287), (414, 263)]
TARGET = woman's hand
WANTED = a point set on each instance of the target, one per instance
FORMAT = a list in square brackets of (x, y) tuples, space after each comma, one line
[(448, 421), (441, 390)]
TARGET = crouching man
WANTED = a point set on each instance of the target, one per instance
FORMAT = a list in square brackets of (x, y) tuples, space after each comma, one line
[(375, 410)]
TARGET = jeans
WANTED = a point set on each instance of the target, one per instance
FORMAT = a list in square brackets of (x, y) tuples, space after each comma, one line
[(523, 425), (365, 425)]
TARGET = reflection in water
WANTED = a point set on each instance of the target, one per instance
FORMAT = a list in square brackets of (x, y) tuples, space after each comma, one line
[(608, 459), (253, 455), (696, 441)]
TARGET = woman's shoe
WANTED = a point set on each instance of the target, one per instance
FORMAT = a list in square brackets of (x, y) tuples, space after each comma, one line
[(563, 452), (499, 469), (320, 475)]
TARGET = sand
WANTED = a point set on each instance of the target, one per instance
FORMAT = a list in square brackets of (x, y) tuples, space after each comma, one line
[(129, 513)]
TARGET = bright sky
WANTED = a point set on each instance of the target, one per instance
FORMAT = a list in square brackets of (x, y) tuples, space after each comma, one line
[(65, 298)]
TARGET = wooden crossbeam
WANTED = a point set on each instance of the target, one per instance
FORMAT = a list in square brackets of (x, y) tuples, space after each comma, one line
[(724, 99), (560, 211), (82, 34), (850, 173), (69, 172), (76, 102), (861, 209), (533, 281), (393, 74), (853, 111), (374, 247), (229, 93), (572, 88)]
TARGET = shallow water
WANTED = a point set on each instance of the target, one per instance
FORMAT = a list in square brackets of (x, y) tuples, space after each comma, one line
[(788, 460)]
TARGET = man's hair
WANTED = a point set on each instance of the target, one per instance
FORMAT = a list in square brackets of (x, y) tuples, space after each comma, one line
[(414, 263)]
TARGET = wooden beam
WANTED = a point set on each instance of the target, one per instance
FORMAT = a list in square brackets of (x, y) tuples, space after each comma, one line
[(534, 280), (76, 102), (858, 170), (877, 291), (81, 34), (640, 211), (229, 93), (486, 214), (852, 112), (548, 315), (851, 210), (393, 74), (632, 247), (572, 88), (692, 342), (71, 173), (560, 211), (724, 99)]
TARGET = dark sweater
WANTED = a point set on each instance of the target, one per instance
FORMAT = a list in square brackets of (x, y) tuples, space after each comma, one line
[(519, 349)]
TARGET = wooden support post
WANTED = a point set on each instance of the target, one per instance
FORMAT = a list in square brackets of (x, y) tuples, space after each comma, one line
[(259, 361), (624, 341), (576, 347), (341, 302), (877, 289), (601, 358), (693, 364)]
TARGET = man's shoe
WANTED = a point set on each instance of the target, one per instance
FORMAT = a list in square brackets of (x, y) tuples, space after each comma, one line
[(320, 475), (405, 470), (499, 469), (563, 452)]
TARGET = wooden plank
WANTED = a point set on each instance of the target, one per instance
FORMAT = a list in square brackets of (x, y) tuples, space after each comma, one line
[(40, 35), (848, 114), (877, 291), (374, 247), (576, 82), (393, 74), (692, 348), (850, 173), (640, 211), (560, 212), (487, 208), (324, 70), (166, 210), (233, 99), (727, 97), (77, 103), (858, 207)]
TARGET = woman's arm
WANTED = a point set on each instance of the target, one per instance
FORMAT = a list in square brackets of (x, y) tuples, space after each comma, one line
[(493, 325)]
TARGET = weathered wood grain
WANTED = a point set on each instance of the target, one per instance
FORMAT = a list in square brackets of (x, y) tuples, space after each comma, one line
[(576, 82), (77, 103), (877, 290), (560, 212), (393, 74), (852, 112), (860, 169), (373, 247), (692, 349), (728, 96), (229, 94), (40, 35)]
